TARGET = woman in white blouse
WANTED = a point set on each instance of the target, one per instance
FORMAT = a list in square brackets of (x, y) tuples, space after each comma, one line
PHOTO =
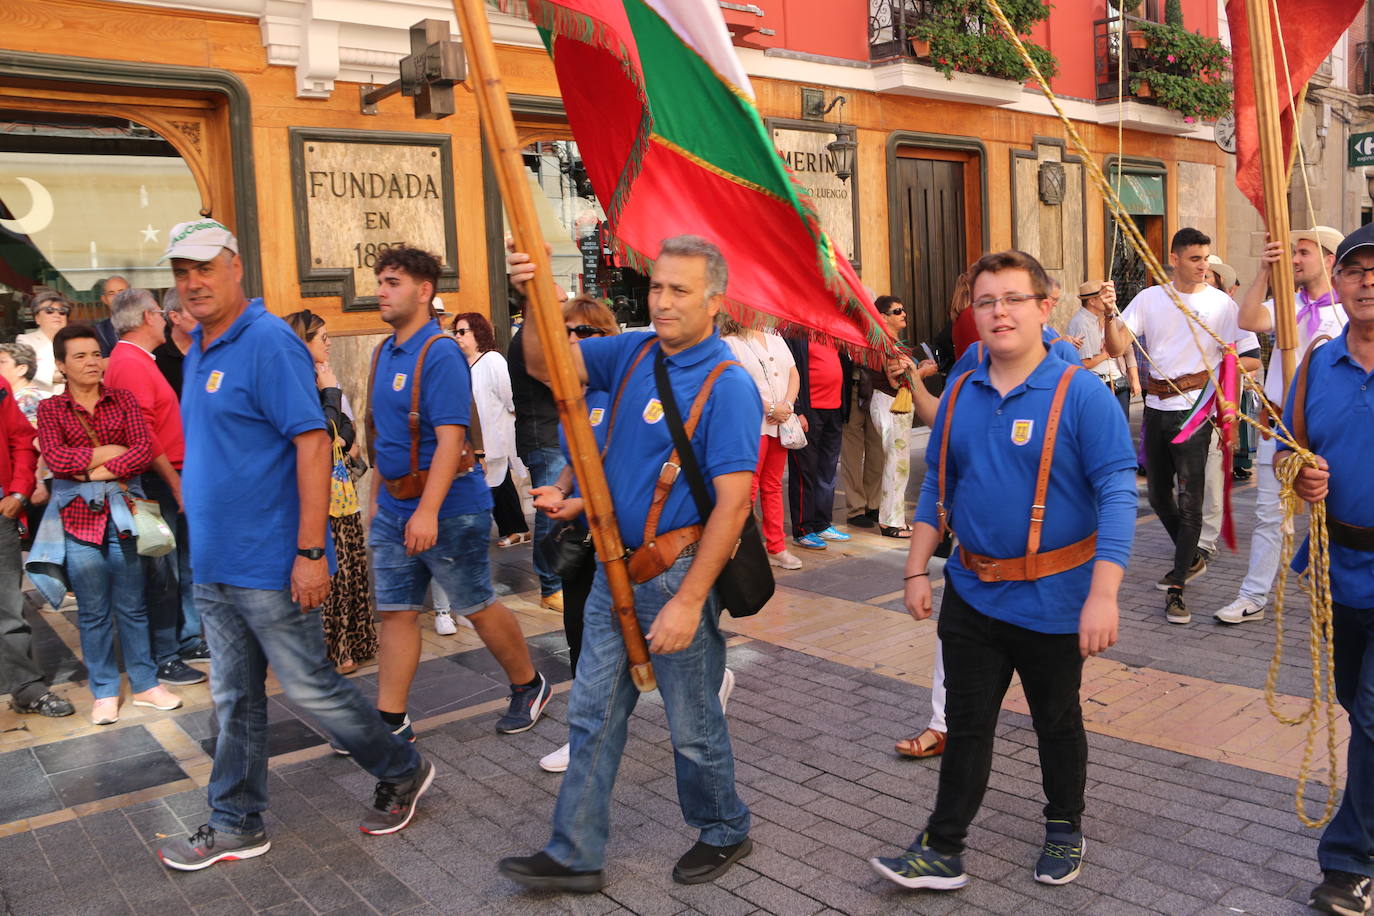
[(769, 363), (496, 412), (49, 310)]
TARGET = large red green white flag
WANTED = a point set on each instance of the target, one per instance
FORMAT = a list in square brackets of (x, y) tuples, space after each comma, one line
[(664, 118)]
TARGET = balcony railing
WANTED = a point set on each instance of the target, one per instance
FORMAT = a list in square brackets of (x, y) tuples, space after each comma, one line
[(891, 24), (1111, 37), (513, 7), (1363, 77)]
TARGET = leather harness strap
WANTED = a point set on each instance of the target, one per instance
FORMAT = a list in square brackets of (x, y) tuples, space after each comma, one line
[(1034, 564), (413, 418), (1162, 388)]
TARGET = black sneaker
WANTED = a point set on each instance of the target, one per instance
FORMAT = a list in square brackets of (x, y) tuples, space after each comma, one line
[(49, 704), (199, 652), (177, 673), (393, 805), (1175, 611), (526, 706), (704, 862), (861, 521), (1342, 892), (541, 872), (1198, 568), (207, 846)]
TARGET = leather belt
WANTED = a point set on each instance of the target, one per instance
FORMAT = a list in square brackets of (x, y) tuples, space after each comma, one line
[(1351, 537), (654, 557), (1013, 569), (1193, 381)]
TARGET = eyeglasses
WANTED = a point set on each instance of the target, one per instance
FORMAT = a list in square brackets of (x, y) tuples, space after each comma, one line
[(583, 331), (459, 332), (896, 311), (1012, 300), (1354, 274), (55, 310)]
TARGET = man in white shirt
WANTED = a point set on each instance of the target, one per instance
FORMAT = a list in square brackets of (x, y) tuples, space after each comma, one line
[(1088, 325), (1182, 355), (1319, 313)]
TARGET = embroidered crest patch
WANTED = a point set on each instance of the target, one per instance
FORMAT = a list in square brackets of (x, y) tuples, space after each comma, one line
[(1021, 431), (653, 411), (596, 416), (398, 382), (214, 381)]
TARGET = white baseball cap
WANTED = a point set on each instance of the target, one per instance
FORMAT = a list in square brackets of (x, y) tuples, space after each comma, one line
[(199, 240), (438, 305)]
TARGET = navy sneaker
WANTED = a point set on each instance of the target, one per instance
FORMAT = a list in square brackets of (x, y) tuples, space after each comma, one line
[(526, 706), (199, 652), (176, 673), (809, 541), (541, 872), (834, 534), (207, 846), (1061, 858), (401, 731), (922, 867)]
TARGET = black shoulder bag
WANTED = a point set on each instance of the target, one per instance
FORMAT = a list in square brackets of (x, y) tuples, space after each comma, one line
[(746, 583)]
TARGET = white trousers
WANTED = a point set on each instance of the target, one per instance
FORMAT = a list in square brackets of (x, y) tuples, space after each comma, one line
[(1264, 538), (895, 429), (1213, 493)]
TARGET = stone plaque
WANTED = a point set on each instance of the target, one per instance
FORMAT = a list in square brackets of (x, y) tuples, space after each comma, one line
[(805, 153), (358, 193)]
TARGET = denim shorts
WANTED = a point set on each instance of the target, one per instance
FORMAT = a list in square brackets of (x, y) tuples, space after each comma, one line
[(458, 561)]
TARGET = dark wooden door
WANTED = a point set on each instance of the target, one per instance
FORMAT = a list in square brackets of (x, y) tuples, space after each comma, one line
[(933, 241)]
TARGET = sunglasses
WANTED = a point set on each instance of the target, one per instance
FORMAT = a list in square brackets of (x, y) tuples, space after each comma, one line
[(583, 331), (459, 332), (897, 311), (55, 310)]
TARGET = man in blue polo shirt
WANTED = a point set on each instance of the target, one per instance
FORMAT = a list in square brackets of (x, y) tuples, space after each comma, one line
[(677, 607), (1338, 414), (255, 484), (440, 526), (1033, 586)]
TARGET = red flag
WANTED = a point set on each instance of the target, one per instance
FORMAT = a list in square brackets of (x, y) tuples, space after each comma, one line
[(1309, 31)]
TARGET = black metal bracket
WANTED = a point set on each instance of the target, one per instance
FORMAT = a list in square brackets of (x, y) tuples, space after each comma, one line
[(428, 73)]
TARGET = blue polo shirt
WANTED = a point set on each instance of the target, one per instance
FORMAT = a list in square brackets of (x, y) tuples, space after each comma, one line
[(1340, 428), (445, 400), (994, 456), (978, 354), (243, 399), (726, 438), (598, 414)]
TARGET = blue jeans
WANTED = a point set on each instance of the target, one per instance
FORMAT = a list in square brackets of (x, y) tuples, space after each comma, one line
[(545, 465), (249, 629), (603, 696), (1348, 842), (459, 561), (108, 584), (172, 616)]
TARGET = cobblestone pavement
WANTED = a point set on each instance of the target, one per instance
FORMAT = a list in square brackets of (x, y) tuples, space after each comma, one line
[(1190, 792)]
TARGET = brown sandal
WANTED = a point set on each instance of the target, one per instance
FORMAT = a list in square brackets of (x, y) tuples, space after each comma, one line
[(920, 747)]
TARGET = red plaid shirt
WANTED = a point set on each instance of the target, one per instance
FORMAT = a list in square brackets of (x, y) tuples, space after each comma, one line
[(66, 448)]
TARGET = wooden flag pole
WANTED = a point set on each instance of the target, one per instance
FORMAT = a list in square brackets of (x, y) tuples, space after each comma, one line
[(1275, 175), (499, 126)]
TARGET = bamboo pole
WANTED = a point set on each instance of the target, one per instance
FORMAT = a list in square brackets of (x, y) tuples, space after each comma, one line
[(499, 127), (1275, 175)]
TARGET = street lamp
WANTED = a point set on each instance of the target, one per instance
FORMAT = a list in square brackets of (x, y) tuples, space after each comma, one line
[(843, 148)]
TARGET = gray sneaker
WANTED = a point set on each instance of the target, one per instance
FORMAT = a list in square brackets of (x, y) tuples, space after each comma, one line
[(394, 803), (207, 846)]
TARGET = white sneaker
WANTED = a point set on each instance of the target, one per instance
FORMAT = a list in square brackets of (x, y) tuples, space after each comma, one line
[(1242, 610), (727, 687), (465, 623), (443, 623), (557, 762), (785, 559)]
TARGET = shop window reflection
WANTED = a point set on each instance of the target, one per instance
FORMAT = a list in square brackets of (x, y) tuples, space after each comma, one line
[(84, 198), (574, 224)]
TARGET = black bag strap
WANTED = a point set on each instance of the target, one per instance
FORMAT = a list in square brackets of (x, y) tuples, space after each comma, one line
[(681, 442)]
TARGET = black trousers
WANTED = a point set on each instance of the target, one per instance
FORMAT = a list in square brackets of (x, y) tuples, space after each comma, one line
[(505, 508), (1186, 463), (811, 472), (980, 655), (575, 592)]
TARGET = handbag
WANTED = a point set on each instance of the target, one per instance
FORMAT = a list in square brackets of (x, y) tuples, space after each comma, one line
[(152, 535), (746, 582), (568, 550), (343, 496)]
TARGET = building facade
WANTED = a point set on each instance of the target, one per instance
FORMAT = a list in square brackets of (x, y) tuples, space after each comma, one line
[(119, 118)]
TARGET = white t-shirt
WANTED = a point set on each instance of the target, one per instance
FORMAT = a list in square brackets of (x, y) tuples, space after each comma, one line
[(1172, 341), (770, 364), (1331, 321)]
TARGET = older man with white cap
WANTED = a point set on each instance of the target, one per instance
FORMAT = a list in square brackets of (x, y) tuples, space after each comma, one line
[(1319, 314), (256, 489)]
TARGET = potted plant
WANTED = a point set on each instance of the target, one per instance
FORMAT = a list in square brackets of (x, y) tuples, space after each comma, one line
[(920, 48), (1184, 72), (963, 36)]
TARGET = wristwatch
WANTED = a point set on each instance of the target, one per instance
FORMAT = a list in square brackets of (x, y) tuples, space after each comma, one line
[(23, 500), (310, 553)]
